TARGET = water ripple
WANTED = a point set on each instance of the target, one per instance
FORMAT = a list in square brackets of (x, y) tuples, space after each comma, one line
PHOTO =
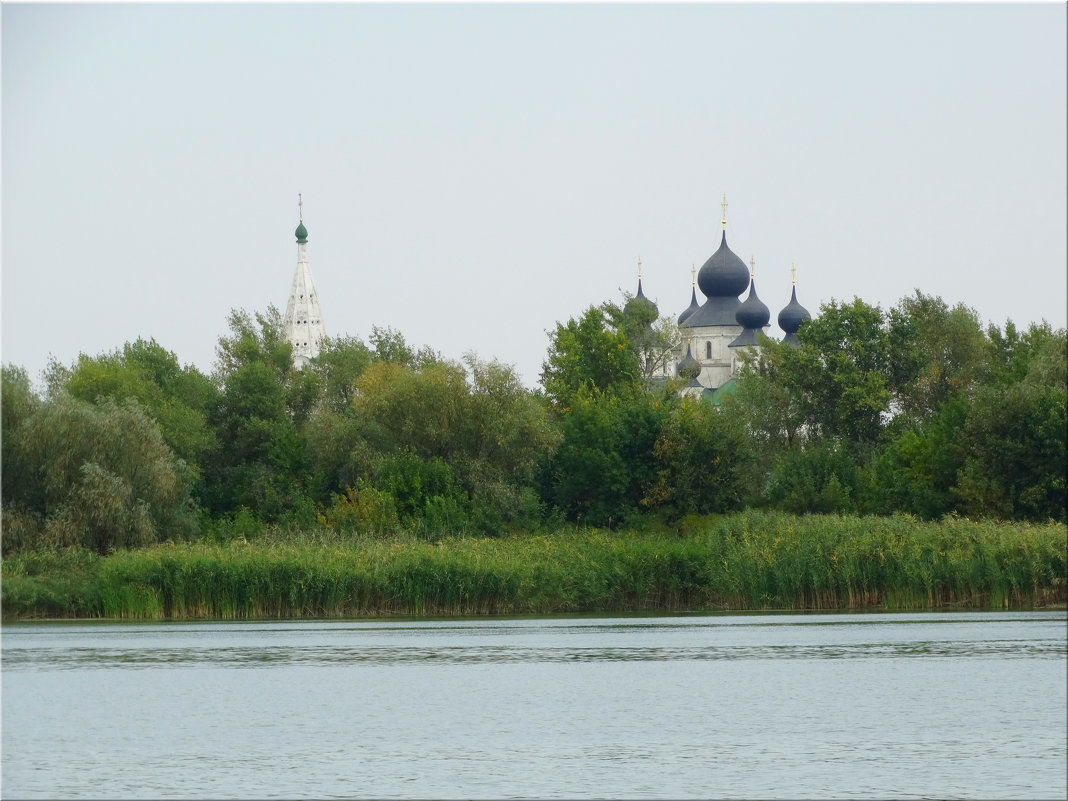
[(267, 656)]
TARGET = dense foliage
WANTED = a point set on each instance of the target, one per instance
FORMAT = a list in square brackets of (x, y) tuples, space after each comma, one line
[(916, 410), (751, 560)]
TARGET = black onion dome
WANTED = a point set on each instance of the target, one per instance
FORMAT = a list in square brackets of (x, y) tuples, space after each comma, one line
[(694, 306), (689, 367), (753, 313), (791, 317), (724, 275), (642, 299)]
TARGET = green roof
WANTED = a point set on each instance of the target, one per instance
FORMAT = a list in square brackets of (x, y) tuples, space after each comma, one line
[(721, 392)]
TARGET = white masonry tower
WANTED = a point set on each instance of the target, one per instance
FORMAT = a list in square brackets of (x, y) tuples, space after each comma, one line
[(303, 323)]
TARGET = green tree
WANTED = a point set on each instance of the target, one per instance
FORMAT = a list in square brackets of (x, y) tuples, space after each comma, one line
[(949, 353), (100, 476), (654, 339), (388, 345), (916, 470), (1014, 435), (821, 477), (479, 422), (591, 353), (605, 470), (852, 361), (261, 463), (341, 361), (702, 459), (178, 398)]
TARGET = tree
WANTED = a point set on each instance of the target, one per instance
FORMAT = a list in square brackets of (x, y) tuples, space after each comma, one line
[(701, 458), (916, 470), (178, 398), (388, 345), (261, 463), (100, 476), (341, 361), (479, 422), (592, 353), (1014, 435), (654, 339), (948, 353), (851, 361)]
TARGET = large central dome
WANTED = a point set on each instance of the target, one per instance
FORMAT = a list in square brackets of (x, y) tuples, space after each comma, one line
[(724, 275), (722, 279)]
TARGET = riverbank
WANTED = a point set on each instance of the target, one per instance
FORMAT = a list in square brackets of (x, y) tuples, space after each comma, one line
[(749, 561)]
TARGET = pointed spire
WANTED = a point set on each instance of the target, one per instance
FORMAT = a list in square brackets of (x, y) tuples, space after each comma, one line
[(303, 319)]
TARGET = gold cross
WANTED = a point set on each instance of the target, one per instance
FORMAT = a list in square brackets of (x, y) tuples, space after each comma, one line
[(793, 274), (693, 275), (723, 205), (752, 266), (639, 268), (300, 205)]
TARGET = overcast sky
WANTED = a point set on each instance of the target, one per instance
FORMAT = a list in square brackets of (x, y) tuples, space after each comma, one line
[(473, 174)]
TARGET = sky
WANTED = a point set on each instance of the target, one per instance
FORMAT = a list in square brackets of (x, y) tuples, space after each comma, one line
[(474, 174)]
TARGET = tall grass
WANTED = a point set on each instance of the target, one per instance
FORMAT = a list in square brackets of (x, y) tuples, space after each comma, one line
[(752, 560)]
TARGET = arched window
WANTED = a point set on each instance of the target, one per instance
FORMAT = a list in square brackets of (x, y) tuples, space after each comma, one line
[(708, 351)]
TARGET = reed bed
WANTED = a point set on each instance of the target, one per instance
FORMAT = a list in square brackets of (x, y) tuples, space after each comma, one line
[(749, 561)]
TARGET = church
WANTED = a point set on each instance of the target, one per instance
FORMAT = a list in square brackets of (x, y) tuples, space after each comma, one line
[(716, 330)]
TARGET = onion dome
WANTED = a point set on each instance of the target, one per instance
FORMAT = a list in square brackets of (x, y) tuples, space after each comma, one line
[(724, 275), (301, 232), (791, 318), (753, 313), (722, 278), (640, 297), (689, 368), (694, 306), (752, 316)]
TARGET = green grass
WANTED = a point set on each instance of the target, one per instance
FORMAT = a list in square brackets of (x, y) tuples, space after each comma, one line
[(747, 561)]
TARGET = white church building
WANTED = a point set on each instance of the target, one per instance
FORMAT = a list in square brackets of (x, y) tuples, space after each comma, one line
[(715, 331)]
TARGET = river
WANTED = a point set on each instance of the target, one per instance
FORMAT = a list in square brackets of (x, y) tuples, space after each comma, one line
[(941, 705)]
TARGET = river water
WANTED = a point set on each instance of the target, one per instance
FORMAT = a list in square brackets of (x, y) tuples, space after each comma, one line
[(956, 705)]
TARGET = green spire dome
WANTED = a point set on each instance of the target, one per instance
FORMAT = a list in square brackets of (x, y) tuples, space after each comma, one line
[(302, 232)]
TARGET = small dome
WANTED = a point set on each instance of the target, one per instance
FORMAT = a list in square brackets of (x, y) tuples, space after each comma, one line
[(302, 233), (694, 306), (689, 367), (753, 313), (641, 296), (724, 275), (791, 317)]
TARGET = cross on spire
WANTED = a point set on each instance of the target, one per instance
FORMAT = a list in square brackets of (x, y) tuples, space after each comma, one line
[(793, 274), (693, 275), (752, 266), (723, 205), (639, 268), (300, 206)]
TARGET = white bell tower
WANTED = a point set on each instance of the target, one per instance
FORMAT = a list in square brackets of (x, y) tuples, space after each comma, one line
[(303, 321)]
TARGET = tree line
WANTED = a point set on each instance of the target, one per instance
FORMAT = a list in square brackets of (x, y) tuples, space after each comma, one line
[(917, 409)]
